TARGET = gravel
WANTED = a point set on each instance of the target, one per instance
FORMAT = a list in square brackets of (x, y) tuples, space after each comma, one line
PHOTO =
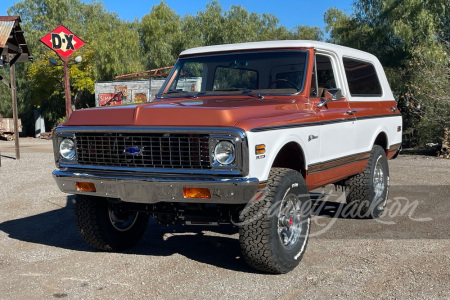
[(405, 254)]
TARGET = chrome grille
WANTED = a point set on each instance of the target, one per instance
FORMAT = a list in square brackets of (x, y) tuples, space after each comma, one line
[(143, 150)]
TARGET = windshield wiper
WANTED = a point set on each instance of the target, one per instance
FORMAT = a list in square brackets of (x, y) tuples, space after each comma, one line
[(245, 91), (253, 94), (181, 94)]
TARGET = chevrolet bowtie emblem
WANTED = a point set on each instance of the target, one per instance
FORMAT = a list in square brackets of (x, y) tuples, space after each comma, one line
[(133, 150)]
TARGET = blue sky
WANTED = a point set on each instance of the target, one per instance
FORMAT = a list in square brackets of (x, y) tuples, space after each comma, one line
[(290, 12)]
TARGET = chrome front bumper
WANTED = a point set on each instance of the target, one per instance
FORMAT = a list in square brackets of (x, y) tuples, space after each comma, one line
[(154, 188)]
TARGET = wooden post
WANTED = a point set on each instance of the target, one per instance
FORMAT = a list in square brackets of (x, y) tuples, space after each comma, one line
[(12, 73)]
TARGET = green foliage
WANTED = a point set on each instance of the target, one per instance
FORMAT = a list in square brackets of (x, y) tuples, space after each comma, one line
[(109, 37), (237, 26), (161, 36), (106, 54), (114, 47), (164, 34), (411, 38), (5, 96)]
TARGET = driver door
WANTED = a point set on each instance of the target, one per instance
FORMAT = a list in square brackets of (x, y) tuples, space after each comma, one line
[(337, 130)]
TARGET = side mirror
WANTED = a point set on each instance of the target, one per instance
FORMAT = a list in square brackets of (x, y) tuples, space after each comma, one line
[(331, 95)]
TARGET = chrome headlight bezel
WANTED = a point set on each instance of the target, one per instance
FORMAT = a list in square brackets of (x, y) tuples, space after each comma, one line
[(236, 164), (58, 139)]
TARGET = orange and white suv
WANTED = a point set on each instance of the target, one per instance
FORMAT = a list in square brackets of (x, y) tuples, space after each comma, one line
[(238, 134)]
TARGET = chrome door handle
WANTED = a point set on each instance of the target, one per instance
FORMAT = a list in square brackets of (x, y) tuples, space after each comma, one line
[(351, 112)]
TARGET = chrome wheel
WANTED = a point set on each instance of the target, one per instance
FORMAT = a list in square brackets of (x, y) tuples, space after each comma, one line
[(379, 183), (289, 221), (368, 191), (122, 220)]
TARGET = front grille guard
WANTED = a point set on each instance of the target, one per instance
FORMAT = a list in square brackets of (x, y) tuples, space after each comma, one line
[(155, 150)]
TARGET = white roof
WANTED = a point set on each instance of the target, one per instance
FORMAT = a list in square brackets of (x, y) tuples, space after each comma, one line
[(321, 47), (339, 50)]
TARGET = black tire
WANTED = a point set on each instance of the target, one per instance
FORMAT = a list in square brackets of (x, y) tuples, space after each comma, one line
[(367, 191), (273, 231), (107, 226)]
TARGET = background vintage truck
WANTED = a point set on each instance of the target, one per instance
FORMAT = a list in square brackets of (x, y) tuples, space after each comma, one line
[(7, 128)]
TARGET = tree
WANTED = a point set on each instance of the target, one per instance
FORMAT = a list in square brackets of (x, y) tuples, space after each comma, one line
[(106, 54), (48, 84), (214, 26), (160, 33), (110, 38), (114, 47), (411, 40), (302, 32)]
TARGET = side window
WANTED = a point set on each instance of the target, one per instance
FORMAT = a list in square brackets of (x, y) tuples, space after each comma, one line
[(325, 74), (362, 78), (189, 78)]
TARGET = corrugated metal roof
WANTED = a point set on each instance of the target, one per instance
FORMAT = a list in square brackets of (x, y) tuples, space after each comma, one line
[(11, 37), (5, 30)]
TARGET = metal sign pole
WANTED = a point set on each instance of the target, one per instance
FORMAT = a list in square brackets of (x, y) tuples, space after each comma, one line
[(67, 88)]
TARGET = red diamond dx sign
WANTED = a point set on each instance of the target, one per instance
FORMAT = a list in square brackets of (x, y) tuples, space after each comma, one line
[(63, 42)]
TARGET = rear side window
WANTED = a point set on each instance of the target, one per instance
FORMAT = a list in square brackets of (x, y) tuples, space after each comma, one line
[(362, 78)]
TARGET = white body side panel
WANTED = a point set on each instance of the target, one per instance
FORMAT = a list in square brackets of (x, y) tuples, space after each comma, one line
[(337, 140), (368, 130), (333, 141), (274, 141)]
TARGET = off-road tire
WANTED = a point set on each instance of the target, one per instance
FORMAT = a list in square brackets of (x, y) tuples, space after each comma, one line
[(94, 221), (361, 189), (262, 246)]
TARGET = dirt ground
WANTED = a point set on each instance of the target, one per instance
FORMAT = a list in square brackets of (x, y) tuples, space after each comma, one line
[(405, 254)]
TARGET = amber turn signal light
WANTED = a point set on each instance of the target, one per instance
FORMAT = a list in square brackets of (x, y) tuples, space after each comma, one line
[(202, 193), (260, 149), (85, 187)]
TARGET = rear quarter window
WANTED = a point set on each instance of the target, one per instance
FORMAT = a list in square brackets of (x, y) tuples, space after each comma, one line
[(362, 78)]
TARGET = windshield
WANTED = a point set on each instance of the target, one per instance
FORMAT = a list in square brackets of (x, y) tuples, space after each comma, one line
[(262, 73)]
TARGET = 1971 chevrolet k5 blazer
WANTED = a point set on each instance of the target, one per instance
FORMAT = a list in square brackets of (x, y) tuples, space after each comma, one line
[(238, 134)]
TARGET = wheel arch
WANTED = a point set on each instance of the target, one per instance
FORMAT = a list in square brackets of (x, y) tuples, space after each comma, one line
[(283, 158), (382, 140)]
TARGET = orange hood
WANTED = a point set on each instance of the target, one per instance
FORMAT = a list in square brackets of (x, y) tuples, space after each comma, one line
[(205, 112)]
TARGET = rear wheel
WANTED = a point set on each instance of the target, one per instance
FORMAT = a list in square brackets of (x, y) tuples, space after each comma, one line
[(368, 190), (274, 230), (108, 226)]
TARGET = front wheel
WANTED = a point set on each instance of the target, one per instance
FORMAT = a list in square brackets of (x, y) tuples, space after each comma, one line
[(108, 226), (274, 230)]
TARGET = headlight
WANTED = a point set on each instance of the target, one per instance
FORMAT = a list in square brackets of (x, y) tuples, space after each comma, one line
[(224, 153), (67, 149)]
